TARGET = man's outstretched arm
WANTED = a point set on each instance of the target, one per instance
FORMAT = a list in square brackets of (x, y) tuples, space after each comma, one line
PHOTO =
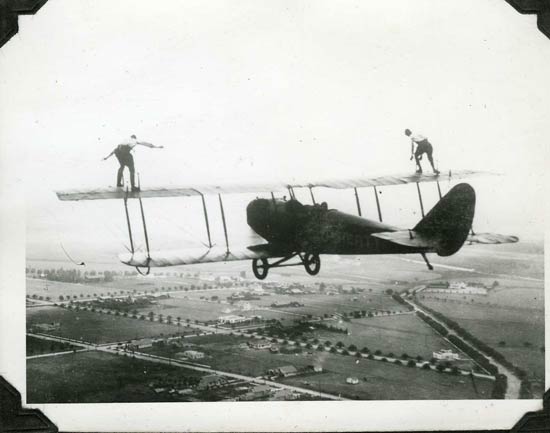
[(108, 156), (152, 146)]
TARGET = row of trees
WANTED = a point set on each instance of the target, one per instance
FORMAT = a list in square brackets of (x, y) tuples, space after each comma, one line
[(437, 326)]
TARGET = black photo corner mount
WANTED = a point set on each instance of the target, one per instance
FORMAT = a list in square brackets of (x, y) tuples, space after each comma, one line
[(9, 13), (539, 7), (15, 418)]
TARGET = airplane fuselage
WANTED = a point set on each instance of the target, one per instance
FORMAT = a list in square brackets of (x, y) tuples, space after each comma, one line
[(317, 229)]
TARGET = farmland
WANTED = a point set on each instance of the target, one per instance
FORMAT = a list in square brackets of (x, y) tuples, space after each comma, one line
[(36, 346), (397, 334), (229, 353), (95, 327), (385, 381), (509, 318), (91, 377)]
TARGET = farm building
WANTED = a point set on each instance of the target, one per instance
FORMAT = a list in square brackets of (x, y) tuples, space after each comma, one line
[(445, 355), (285, 371), (232, 319), (315, 368), (352, 380), (212, 381), (193, 354), (259, 391), (259, 344)]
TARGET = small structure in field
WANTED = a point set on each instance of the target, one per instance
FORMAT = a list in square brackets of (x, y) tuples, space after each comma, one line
[(446, 355)]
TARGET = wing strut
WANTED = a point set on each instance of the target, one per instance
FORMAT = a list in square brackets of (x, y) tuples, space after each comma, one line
[(439, 190), (420, 199), (224, 225), (146, 238), (291, 192), (128, 221), (357, 201), (206, 218), (311, 193), (377, 203)]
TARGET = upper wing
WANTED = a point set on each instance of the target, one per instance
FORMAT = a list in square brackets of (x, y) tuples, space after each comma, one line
[(187, 191), (191, 256)]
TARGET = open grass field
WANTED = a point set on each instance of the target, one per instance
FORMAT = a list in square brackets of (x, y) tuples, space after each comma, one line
[(97, 328), (37, 346), (54, 289), (186, 309), (398, 334), (385, 381), (190, 306), (522, 331), (321, 304), (93, 377)]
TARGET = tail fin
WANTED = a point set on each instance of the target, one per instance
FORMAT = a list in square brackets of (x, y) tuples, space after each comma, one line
[(450, 220)]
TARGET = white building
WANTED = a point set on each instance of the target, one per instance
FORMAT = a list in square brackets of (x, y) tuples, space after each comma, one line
[(231, 319), (193, 354), (445, 355)]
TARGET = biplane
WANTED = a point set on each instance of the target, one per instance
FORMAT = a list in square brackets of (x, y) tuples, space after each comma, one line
[(297, 234)]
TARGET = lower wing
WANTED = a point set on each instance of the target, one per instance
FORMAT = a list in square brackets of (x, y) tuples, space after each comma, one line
[(420, 241), (490, 239), (191, 256)]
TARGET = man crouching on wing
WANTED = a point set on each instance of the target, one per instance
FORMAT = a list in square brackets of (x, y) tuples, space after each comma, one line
[(422, 146)]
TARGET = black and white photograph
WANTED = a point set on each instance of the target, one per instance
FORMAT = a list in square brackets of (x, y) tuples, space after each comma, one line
[(321, 203)]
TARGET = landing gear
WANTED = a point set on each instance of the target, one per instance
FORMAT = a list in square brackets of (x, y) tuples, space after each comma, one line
[(260, 270), (310, 261)]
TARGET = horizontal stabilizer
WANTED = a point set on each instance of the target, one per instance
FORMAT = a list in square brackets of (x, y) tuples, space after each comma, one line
[(197, 190), (490, 239), (191, 256), (408, 238)]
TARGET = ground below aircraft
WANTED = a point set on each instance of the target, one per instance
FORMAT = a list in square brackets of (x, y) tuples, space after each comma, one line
[(293, 230)]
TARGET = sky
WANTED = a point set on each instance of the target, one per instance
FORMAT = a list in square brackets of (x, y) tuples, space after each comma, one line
[(259, 91)]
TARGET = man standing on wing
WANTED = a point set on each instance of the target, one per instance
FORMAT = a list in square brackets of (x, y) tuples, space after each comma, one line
[(422, 146), (125, 159)]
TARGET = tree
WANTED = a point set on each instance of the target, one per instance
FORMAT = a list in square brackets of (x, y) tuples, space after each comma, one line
[(352, 348)]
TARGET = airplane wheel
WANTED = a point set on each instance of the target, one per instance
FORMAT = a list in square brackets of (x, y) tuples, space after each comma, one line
[(260, 270), (312, 263)]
